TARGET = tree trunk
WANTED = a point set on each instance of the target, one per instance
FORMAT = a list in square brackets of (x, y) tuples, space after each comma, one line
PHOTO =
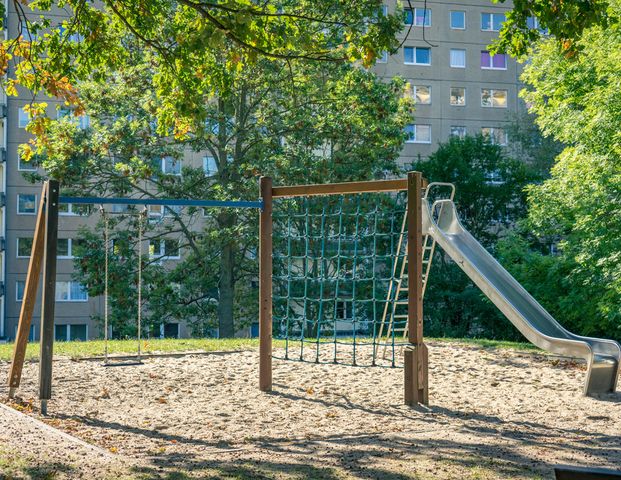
[(226, 284)]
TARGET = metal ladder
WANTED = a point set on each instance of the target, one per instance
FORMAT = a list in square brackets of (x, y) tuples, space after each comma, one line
[(395, 314)]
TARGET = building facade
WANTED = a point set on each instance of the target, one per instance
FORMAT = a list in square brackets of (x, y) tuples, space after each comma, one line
[(458, 87)]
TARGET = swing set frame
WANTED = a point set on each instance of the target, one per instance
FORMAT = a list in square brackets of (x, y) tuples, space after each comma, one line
[(43, 257), (43, 261)]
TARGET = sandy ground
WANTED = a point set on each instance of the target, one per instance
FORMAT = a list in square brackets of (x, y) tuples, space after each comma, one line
[(493, 414)]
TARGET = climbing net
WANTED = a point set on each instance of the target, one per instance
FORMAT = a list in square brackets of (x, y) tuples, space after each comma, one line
[(335, 261)]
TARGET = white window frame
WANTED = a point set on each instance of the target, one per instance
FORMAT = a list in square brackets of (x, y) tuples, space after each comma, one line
[(414, 57), (162, 327), (414, 90), (82, 122), (491, 29), (69, 300), (451, 19), (161, 255), (491, 67), (70, 211), (462, 134), (17, 297), (426, 18), (457, 104), (383, 58), (69, 325), (205, 164), (23, 118), (491, 96), (416, 125), (175, 161), (69, 250), (492, 135), (22, 167), (451, 57), (17, 255), (36, 198)]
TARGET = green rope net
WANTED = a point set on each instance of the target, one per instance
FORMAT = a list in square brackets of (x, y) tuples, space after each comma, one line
[(335, 261)]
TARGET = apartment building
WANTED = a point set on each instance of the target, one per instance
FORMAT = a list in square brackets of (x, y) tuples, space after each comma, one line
[(458, 87)]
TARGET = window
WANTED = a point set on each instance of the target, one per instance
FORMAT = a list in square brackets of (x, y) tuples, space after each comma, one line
[(83, 121), (458, 131), (418, 133), (26, 166), (421, 94), (345, 310), (167, 248), (71, 209), (32, 335), (71, 292), (68, 333), (209, 166), (458, 58), (493, 98), (494, 177), (492, 22), (493, 62), (26, 204), (20, 286), (24, 247), (458, 20), (408, 16), (169, 330), (172, 210), (155, 211), (458, 96), (64, 248), (120, 208), (171, 166), (497, 136), (417, 55), (27, 35), (23, 118), (422, 17), (533, 24), (383, 58)]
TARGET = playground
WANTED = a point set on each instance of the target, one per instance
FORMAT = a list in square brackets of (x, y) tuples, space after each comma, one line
[(496, 413), (350, 389)]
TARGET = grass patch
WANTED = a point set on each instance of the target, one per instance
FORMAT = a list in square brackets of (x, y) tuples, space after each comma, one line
[(95, 348)]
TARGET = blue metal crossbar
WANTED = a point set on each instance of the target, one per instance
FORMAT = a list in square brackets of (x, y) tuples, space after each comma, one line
[(162, 201)]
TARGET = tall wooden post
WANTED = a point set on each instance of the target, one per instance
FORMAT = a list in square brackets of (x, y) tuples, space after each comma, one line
[(265, 286), (415, 355), (29, 298), (49, 295)]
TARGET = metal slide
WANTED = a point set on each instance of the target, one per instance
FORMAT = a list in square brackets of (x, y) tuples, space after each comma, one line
[(440, 220)]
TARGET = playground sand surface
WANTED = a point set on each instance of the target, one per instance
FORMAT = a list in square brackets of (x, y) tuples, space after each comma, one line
[(493, 414)]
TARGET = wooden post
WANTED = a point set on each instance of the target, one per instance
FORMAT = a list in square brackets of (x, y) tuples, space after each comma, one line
[(265, 286), (415, 355), (29, 298), (49, 295)]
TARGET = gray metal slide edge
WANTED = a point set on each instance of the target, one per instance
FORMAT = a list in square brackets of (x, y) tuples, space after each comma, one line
[(441, 221)]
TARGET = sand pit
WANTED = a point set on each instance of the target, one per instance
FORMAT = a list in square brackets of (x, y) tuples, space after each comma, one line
[(493, 414)]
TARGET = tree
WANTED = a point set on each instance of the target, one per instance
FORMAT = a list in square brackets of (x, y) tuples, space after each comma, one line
[(313, 122), (530, 145), (490, 198), (195, 48), (576, 101), (565, 20)]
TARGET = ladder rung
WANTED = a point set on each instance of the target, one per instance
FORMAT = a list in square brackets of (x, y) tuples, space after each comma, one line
[(400, 316)]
